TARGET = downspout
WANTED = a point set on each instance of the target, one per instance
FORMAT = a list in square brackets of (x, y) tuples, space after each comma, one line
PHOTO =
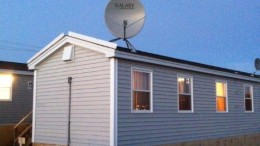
[(69, 111)]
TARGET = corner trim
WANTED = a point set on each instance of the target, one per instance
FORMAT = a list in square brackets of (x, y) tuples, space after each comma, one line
[(113, 101), (34, 105)]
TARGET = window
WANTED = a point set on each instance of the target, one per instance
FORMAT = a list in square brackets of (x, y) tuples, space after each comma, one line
[(221, 96), (185, 93), (248, 91), (6, 87), (141, 90)]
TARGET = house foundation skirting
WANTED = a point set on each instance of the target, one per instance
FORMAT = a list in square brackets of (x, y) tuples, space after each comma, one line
[(41, 144), (245, 140)]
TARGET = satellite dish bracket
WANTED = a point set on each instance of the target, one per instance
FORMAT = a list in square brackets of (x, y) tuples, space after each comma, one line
[(128, 44)]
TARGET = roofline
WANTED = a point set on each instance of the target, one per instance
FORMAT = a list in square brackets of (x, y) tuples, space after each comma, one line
[(46, 47), (7, 67), (111, 50), (18, 72), (72, 38), (146, 57)]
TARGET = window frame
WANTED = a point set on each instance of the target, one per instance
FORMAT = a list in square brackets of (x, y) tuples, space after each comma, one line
[(252, 98), (151, 89), (191, 93), (11, 90), (226, 83)]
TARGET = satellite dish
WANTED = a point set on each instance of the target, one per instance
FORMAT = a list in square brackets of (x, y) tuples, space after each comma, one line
[(124, 18), (257, 63)]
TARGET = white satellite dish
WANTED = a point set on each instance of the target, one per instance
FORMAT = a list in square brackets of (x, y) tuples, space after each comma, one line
[(257, 63), (125, 18)]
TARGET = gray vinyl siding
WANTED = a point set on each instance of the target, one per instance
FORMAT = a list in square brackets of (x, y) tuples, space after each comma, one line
[(166, 126), (90, 105), (13, 111)]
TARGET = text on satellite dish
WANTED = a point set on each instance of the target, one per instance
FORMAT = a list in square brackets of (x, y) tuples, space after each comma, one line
[(124, 6)]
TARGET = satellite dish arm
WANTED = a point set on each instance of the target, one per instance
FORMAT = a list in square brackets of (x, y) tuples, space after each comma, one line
[(116, 39)]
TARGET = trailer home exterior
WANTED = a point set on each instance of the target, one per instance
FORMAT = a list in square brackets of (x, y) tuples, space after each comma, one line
[(16, 96), (91, 92)]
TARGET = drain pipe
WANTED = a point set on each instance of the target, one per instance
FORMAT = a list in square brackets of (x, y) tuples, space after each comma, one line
[(69, 82)]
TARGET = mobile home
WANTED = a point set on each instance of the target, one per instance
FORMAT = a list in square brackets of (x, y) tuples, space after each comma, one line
[(16, 96), (91, 92)]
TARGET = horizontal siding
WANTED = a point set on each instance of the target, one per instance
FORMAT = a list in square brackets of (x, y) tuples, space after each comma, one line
[(13, 111), (89, 104), (165, 125)]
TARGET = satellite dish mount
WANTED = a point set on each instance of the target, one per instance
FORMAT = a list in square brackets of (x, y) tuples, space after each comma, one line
[(125, 19), (257, 65)]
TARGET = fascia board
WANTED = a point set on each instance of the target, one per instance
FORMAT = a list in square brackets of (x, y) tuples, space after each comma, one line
[(135, 57), (46, 47), (69, 40), (93, 40), (18, 72)]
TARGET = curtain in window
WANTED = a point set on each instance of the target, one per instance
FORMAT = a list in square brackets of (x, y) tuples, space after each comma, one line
[(221, 89), (221, 96), (141, 80), (141, 91), (248, 98), (221, 104), (184, 85)]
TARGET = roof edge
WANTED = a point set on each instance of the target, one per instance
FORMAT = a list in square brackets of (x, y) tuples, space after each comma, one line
[(93, 40), (46, 47)]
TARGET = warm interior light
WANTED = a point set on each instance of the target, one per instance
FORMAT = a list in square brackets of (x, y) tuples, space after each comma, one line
[(220, 89), (221, 96), (6, 81)]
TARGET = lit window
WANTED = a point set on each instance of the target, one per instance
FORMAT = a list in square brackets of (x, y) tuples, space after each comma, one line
[(141, 90), (248, 98), (185, 93), (221, 96), (6, 87)]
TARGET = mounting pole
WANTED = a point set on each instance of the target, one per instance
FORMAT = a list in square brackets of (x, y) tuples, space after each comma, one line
[(69, 112), (128, 44)]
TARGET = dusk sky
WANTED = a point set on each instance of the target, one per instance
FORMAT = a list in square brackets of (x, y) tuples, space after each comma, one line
[(223, 33)]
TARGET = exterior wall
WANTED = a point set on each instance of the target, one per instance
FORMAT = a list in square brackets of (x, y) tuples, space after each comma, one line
[(90, 72), (13, 111), (166, 126), (245, 140)]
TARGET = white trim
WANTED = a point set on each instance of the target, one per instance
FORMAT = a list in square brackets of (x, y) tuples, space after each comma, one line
[(252, 98), (113, 101), (225, 82), (34, 105), (46, 47), (32, 63), (151, 89), (18, 72), (191, 88), (93, 40), (141, 58), (109, 49)]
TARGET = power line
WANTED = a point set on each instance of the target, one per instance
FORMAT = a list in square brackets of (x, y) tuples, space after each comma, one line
[(14, 47), (21, 44), (17, 49)]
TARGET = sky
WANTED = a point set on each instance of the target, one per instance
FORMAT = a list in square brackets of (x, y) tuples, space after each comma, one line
[(223, 33)]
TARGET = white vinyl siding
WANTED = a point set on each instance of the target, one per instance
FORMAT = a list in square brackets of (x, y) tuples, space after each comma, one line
[(90, 103)]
